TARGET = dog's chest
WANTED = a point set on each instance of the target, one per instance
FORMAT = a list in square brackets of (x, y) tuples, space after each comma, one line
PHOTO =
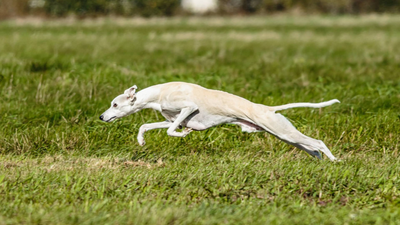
[(170, 115)]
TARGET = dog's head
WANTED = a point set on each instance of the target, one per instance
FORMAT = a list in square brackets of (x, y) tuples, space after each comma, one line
[(122, 105)]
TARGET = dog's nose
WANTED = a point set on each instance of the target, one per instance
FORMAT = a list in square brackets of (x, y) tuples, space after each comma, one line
[(101, 117)]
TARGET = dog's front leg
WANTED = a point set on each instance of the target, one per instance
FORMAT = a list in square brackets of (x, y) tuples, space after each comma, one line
[(185, 112), (150, 126)]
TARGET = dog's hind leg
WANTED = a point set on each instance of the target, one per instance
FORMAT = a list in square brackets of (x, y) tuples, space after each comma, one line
[(279, 126), (248, 127), (151, 126)]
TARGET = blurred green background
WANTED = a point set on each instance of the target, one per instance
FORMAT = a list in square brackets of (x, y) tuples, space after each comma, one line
[(59, 164), (93, 8)]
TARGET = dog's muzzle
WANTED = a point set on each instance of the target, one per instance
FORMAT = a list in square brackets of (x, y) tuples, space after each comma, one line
[(109, 120)]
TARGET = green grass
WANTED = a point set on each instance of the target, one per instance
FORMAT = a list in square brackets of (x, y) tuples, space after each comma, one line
[(60, 165)]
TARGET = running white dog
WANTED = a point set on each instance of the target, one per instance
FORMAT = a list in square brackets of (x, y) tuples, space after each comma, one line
[(196, 108)]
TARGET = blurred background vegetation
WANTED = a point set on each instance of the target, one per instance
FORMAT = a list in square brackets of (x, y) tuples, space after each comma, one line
[(148, 8)]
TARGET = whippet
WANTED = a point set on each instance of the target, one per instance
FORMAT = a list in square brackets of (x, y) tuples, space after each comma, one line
[(196, 108)]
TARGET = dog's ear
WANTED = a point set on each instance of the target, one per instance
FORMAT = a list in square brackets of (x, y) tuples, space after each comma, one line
[(130, 92)]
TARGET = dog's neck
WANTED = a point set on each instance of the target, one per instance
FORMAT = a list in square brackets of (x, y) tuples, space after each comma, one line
[(148, 98)]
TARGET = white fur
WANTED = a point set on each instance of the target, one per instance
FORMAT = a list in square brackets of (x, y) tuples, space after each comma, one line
[(197, 108)]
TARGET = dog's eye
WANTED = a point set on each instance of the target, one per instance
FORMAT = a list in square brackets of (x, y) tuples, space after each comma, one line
[(115, 105)]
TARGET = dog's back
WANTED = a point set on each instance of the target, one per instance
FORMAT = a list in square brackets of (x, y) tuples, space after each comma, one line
[(213, 101)]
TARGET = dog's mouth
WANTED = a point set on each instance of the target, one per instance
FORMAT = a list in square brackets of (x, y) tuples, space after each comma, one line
[(111, 119)]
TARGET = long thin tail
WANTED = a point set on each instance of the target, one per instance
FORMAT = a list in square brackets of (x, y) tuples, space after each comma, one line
[(304, 104)]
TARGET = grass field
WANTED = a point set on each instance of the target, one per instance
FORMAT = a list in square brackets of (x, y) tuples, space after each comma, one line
[(59, 164)]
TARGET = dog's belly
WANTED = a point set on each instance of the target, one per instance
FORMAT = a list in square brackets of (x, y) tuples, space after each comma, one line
[(201, 121), (198, 120)]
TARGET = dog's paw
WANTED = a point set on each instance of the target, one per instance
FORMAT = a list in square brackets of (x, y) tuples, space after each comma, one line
[(141, 141), (186, 131), (336, 160)]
